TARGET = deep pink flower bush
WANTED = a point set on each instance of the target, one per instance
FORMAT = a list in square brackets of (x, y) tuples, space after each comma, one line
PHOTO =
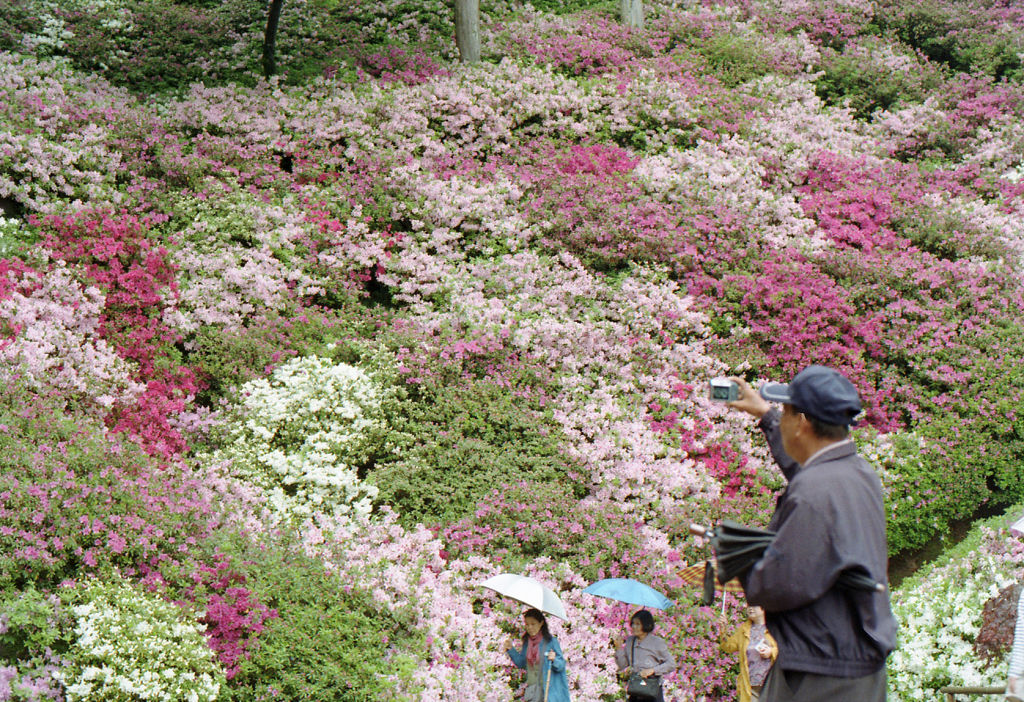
[(136, 276), (234, 618)]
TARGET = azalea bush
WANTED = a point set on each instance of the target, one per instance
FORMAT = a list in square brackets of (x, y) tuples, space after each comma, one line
[(324, 640), (128, 644), (304, 434), (473, 414)]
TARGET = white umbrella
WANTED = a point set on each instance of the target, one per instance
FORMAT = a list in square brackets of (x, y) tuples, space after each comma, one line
[(1017, 528), (528, 591)]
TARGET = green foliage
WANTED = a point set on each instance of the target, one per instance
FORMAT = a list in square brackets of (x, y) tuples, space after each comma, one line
[(868, 83), (33, 623), (916, 489), (227, 358), (16, 238), (946, 235), (734, 59), (329, 643), (132, 45), (462, 424), (451, 444), (36, 634), (565, 7), (521, 522), (956, 36)]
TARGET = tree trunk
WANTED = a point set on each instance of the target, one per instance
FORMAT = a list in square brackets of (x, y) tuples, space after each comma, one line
[(467, 29), (631, 12), (270, 38)]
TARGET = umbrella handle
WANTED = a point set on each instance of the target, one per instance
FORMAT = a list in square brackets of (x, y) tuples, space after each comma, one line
[(698, 530), (547, 683)]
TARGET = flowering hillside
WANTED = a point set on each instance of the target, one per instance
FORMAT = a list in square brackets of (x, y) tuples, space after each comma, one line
[(289, 366)]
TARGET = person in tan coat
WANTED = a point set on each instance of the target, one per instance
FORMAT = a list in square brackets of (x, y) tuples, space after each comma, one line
[(757, 650)]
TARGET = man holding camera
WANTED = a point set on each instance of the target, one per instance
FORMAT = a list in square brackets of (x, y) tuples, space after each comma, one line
[(833, 641)]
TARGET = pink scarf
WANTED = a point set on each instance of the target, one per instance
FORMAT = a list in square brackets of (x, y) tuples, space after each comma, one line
[(533, 649)]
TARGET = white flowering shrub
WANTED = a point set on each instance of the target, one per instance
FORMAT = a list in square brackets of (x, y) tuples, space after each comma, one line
[(303, 433), (939, 614), (130, 645)]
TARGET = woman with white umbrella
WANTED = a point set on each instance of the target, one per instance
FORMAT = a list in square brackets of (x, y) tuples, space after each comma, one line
[(540, 655)]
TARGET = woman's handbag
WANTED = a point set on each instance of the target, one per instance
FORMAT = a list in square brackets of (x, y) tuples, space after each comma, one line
[(643, 688), (639, 686)]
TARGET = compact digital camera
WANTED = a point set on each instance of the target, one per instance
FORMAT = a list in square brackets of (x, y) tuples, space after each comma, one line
[(724, 390)]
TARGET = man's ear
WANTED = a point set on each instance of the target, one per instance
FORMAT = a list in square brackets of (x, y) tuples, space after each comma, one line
[(803, 425)]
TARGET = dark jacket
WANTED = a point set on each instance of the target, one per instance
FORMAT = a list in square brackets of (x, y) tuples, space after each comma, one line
[(830, 517)]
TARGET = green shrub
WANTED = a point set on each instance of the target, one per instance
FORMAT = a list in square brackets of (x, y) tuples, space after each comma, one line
[(917, 491), (946, 235), (329, 643), (227, 358), (450, 445), (36, 634), (145, 45), (33, 622), (735, 59), (964, 37), (520, 522), (864, 76)]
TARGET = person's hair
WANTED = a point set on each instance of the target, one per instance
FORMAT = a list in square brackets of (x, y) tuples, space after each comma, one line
[(822, 430), (645, 618), (837, 432), (537, 616)]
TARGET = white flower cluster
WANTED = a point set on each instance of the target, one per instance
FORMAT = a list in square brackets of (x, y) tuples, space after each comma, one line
[(304, 432), (9, 231), (131, 645), (939, 615)]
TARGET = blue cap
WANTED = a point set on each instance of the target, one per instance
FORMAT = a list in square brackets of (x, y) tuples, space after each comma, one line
[(820, 392)]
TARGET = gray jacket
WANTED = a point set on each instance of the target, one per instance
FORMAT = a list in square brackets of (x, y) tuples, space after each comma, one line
[(652, 652), (830, 517)]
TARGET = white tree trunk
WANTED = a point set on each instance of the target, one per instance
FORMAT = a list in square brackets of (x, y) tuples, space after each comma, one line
[(631, 12), (467, 29)]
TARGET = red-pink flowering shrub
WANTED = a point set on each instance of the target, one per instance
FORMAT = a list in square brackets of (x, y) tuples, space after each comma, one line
[(117, 255), (587, 202), (234, 618)]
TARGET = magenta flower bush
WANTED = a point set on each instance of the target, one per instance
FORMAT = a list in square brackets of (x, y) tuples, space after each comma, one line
[(302, 360)]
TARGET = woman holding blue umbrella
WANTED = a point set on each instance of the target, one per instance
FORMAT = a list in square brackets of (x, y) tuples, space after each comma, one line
[(646, 655)]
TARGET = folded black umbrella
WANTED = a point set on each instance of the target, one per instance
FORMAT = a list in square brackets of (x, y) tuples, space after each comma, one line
[(738, 547)]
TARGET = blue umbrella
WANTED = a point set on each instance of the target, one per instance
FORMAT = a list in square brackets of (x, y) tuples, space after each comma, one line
[(629, 591)]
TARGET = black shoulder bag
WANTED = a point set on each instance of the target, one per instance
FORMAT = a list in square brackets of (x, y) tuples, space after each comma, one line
[(638, 686)]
